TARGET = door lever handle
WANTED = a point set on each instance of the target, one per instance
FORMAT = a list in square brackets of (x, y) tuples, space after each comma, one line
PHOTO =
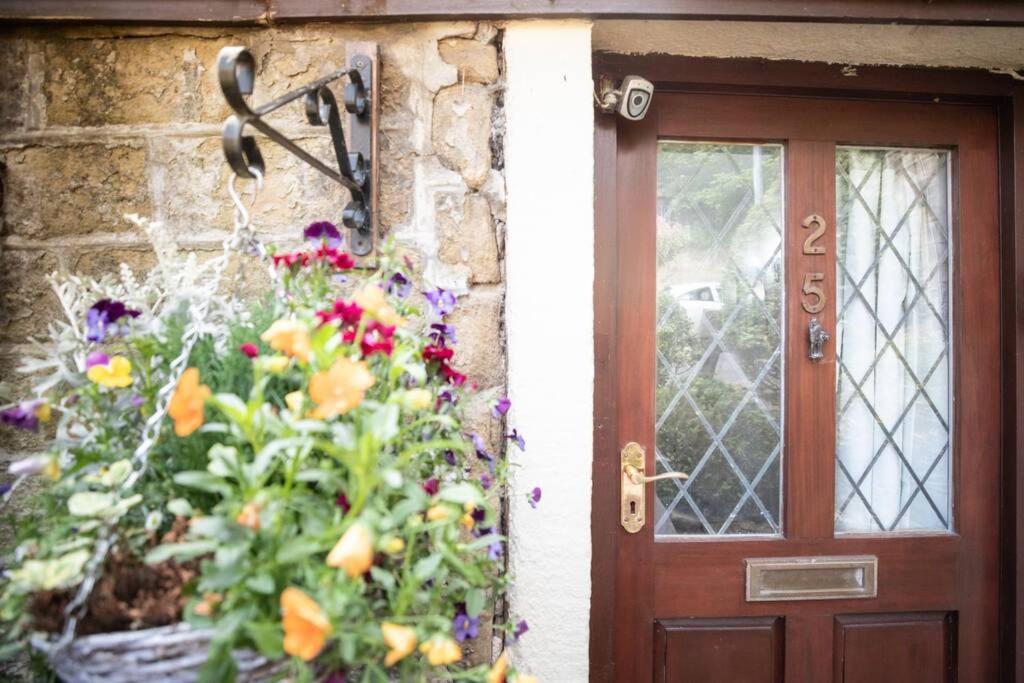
[(633, 462), (638, 477)]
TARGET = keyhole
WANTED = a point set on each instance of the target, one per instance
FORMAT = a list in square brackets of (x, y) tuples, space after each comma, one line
[(632, 507)]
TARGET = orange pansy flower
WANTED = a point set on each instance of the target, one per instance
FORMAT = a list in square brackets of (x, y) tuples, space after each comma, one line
[(289, 337), (371, 299), (186, 406), (441, 651), (401, 641), (340, 388), (353, 552), (306, 627)]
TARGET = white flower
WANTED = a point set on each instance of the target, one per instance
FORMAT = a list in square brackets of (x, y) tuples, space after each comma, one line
[(153, 520)]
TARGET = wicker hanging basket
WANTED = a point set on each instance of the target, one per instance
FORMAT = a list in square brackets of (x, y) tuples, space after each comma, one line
[(169, 654)]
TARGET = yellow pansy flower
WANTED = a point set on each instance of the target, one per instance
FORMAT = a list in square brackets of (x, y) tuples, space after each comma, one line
[(249, 517), (305, 625), (294, 401), (418, 399), (275, 364), (441, 651), (116, 373), (340, 388), (395, 545), (289, 337), (401, 641), (438, 513), (353, 552), (498, 670)]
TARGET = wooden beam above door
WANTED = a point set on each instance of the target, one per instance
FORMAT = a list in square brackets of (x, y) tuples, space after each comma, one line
[(262, 12)]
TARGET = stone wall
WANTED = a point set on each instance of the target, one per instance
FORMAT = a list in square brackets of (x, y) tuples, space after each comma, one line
[(98, 122)]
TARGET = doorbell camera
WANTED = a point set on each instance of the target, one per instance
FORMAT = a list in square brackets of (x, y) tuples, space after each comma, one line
[(635, 95)]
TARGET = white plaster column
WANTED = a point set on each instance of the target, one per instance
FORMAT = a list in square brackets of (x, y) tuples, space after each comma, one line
[(549, 262)]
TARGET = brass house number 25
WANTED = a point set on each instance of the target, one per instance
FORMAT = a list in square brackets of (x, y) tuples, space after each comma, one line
[(814, 296), (813, 300)]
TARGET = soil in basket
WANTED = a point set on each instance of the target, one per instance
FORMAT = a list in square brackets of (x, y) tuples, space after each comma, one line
[(130, 595)]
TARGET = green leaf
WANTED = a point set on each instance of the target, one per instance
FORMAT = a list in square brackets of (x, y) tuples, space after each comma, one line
[(91, 503), (220, 665), (261, 583), (218, 578), (484, 541), (461, 494), (180, 507), (208, 527), (382, 577), (383, 423), (267, 637), (476, 598), (294, 549), (180, 551), (426, 567), (233, 408), (204, 481)]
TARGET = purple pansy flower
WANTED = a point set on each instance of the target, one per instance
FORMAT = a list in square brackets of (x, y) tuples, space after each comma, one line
[(448, 396), (449, 457), (28, 466), (534, 497), (137, 401), (486, 481), (442, 334), (96, 358), (399, 285), (323, 231), (495, 551), (521, 628), (342, 502), (481, 448), (432, 486), (500, 407), (517, 438), (103, 316), (25, 415), (5, 489), (465, 627), (441, 300)]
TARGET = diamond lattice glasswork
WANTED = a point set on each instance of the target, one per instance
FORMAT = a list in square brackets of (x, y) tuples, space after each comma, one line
[(893, 462), (719, 356)]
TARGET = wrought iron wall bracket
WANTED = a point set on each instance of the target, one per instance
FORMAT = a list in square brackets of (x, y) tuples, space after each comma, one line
[(354, 158)]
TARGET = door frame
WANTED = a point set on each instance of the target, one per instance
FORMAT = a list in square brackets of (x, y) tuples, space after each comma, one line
[(754, 76)]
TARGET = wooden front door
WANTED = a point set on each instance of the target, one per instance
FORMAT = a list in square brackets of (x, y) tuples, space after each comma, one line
[(806, 300)]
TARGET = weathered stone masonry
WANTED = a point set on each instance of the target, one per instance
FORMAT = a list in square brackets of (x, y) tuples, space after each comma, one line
[(101, 121)]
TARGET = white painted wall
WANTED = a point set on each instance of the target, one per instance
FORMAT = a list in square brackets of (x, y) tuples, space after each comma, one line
[(549, 262)]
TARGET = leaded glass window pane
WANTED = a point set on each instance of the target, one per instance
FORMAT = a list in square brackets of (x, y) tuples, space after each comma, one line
[(719, 338), (893, 456)]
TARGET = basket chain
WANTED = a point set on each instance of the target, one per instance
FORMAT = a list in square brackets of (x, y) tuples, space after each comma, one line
[(242, 239)]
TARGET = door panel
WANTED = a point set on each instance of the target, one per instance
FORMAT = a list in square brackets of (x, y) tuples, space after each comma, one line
[(895, 648), (729, 243), (738, 650)]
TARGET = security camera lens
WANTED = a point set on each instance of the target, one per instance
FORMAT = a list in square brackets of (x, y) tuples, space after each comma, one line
[(638, 100)]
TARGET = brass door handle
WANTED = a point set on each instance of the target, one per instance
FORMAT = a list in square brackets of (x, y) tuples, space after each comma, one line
[(638, 477), (633, 462)]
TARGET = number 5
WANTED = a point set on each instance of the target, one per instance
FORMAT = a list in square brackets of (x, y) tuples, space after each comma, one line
[(811, 289)]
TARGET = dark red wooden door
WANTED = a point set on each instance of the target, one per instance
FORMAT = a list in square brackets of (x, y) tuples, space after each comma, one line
[(840, 519)]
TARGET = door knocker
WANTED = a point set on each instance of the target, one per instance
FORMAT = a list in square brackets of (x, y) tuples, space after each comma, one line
[(818, 336)]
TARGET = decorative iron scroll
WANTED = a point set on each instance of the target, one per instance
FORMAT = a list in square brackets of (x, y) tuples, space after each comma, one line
[(236, 71)]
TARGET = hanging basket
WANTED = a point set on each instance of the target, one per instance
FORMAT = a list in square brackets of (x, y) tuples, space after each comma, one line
[(170, 654)]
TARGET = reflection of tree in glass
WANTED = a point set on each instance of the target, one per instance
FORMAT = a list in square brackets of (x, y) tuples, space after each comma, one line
[(701, 189)]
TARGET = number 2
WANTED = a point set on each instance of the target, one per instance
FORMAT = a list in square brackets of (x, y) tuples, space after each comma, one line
[(809, 244), (811, 289)]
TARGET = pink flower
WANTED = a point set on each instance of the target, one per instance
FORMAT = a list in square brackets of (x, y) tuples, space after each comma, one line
[(249, 349)]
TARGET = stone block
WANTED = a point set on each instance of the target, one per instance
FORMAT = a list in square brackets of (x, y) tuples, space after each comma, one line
[(27, 303), (95, 263), (73, 189), (113, 80), (480, 352), (462, 130), (13, 84), (477, 62), (467, 237)]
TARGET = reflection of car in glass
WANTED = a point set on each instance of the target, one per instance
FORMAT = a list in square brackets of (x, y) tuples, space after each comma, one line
[(697, 297)]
